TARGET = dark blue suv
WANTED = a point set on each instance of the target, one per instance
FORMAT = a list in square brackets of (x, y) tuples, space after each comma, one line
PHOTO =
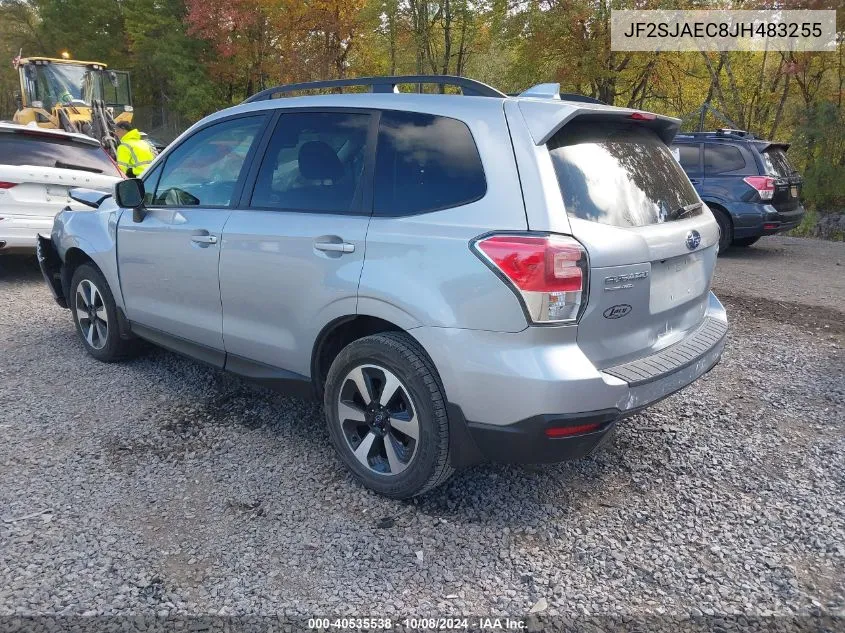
[(748, 183)]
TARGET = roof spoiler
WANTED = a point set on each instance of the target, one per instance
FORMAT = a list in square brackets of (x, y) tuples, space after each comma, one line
[(544, 118), (765, 146)]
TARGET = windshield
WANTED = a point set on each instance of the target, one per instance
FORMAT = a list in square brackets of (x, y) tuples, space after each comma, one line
[(62, 83), (620, 174)]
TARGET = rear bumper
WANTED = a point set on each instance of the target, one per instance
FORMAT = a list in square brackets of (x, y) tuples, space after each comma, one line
[(17, 233), (503, 401), (754, 219)]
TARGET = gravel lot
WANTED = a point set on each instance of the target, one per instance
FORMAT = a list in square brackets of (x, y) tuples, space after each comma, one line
[(161, 486)]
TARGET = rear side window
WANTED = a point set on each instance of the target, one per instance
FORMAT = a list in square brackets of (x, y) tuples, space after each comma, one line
[(620, 174), (722, 159), (689, 158), (314, 162), (777, 164), (43, 151), (425, 163)]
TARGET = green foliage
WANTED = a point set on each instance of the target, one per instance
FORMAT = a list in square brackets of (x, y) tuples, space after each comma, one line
[(191, 57), (819, 153)]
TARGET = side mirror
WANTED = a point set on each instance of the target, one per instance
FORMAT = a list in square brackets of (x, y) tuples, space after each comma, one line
[(129, 194)]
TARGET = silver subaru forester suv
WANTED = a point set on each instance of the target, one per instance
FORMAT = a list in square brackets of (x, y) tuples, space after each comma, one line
[(459, 277)]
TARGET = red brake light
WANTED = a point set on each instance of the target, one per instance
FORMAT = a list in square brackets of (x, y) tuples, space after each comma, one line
[(643, 116), (7, 185), (566, 431), (548, 272), (536, 263), (765, 185)]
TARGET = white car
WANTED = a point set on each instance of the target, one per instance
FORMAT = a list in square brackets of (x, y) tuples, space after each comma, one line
[(38, 168)]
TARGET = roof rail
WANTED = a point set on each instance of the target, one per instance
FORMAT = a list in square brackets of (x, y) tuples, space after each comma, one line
[(469, 87)]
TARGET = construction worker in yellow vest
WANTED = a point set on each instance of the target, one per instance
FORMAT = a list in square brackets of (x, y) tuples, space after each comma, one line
[(134, 154)]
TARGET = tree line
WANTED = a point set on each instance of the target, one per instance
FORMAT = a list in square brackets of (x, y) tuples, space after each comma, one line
[(191, 57)]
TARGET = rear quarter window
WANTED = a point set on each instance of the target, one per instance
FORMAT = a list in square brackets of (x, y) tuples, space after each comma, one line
[(425, 163), (43, 151), (620, 174)]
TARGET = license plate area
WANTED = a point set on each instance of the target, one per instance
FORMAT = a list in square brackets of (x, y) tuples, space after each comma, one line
[(677, 280)]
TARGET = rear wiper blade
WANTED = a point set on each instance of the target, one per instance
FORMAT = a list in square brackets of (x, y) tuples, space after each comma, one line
[(686, 210), (63, 165)]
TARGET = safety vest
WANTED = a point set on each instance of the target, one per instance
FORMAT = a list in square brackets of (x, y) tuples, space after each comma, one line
[(134, 153)]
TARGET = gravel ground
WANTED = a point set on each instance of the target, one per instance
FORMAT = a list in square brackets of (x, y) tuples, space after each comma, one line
[(162, 487)]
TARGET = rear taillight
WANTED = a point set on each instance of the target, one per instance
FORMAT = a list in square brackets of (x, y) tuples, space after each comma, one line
[(765, 186), (549, 272), (643, 116), (7, 185)]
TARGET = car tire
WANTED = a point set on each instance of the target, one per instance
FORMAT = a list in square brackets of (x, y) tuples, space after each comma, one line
[(95, 315), (745, 241), (725, 229), (395, 443)]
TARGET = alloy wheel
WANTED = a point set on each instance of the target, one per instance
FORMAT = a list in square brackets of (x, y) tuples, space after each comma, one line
[(378, 419), (91, 314)]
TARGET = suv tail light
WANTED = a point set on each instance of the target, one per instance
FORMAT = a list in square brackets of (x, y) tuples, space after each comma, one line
[(7, 185), (548, 272), (765, 186)]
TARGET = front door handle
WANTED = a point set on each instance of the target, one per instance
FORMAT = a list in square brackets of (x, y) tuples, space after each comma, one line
[(335, 247), (204, 239)]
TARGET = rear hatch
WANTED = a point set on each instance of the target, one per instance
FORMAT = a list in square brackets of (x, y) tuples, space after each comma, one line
[(650, 241), (39, 169), (788, 182)]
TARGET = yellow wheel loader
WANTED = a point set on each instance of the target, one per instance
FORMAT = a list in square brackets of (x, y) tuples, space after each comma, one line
[(73, 95)]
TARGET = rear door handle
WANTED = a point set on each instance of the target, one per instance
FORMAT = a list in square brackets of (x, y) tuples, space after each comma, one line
[(335, 247), (204, 239)]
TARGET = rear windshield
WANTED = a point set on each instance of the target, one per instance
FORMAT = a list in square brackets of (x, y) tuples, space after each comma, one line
[(776, 162), (621, 175), (40, 151)]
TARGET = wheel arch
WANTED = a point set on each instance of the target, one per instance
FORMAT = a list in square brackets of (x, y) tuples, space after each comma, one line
[(74, 258), (336, 335), (717, 207)]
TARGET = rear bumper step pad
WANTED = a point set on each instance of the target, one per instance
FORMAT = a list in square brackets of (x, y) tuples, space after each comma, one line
[(674, 358)]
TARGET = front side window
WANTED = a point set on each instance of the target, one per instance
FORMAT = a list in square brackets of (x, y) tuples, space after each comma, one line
[(620, 174), (314, 162), (204, 170), (425, 163)]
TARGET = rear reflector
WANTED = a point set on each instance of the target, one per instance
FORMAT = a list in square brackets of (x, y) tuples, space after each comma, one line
[(549, 272), (567, 431), (765, 186), (7, 185), (770, 227)]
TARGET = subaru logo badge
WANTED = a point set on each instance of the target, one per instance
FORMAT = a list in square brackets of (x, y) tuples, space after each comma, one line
[(693, 240)]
